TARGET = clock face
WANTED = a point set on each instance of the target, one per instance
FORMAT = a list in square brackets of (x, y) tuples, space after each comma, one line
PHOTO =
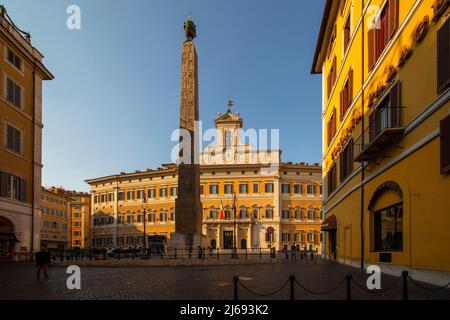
[(228, 138)]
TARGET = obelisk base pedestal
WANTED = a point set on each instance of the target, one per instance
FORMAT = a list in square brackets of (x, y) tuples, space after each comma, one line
[(186, 244)]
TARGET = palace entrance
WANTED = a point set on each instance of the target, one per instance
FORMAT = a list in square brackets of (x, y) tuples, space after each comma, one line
[(228, 239)]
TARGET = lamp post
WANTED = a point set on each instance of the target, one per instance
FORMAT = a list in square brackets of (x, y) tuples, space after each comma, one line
[(145, 224), (235, 227)]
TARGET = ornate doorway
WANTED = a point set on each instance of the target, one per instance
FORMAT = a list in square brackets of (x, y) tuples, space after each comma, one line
[(228, 239)]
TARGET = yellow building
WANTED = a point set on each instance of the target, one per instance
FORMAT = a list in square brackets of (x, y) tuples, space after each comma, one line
[(55, 219), (80, 210), (386, 74), (80, 216), (283, 196), (21, 75)]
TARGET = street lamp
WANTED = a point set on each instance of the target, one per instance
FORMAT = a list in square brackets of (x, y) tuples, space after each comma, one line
[(235, 227), (145, 224)]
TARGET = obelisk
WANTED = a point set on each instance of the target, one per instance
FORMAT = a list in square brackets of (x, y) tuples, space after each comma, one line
[(188, 208)]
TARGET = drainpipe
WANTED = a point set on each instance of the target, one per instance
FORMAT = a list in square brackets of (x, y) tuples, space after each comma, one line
[(362, 136), (33, 156)]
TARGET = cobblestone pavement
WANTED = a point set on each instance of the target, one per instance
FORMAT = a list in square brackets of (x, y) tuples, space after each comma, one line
[(17, 281)]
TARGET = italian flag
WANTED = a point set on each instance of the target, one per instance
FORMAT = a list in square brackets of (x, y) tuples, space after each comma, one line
[(222, 213)]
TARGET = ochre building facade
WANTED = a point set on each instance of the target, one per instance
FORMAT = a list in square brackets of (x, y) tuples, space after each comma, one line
[(386, 152), (22, 73)]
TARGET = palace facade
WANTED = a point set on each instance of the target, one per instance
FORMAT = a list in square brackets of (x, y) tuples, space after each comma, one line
[(385, 66), (269, 194), (22, 73)]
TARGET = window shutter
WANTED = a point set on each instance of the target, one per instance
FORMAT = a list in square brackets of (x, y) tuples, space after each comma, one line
[(393, 16), (10, 137), (4, 177), (372, 47), (342, 107), (10, 90), (334, 71), (445, 145), (17, 140), (350, 87), (342, 5), (23, 190), (443, 59), (395, 104)]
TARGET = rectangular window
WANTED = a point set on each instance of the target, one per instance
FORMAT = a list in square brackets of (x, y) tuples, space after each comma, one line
[(13, 93), (121, 196), (285, 236), (12, 187), (346, 160), (243, 188), (130, 195), (347, 34), (298, 237), (331, 179), (445, 145), (228, 189), (269, 188), (14, 59), (13, 139), (140, 194), (285, 214), (443, 60), (163, 192), (381, 33), (347, 95), (173, 191), (202, 189), (213, 189), (298, 189), (285, 188), (311, 189), (331, 80), (269, 214), (151, 193), (310, 236), (256, 188), (331, 127), (243, 214), (388, 229)]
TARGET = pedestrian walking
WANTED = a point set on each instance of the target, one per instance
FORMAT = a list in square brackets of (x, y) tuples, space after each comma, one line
[(43, 260)]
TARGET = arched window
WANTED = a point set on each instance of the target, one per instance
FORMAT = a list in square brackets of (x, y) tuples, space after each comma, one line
[(386, 207)]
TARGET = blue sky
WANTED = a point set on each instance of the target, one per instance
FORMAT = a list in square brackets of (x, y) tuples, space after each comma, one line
[(115, 99)]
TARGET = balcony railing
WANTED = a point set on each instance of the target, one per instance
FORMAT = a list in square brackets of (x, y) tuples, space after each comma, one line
[(385, 124)]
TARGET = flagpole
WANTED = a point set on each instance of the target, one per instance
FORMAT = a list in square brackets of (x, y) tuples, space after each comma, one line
[(235, 227)]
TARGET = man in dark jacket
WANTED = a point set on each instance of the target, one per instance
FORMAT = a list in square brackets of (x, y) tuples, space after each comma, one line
[(43, 260)]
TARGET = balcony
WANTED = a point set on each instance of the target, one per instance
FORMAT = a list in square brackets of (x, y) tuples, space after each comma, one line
[(385, 125)]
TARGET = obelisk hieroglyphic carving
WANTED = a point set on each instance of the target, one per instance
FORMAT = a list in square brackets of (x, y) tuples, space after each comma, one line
[(188, 208)]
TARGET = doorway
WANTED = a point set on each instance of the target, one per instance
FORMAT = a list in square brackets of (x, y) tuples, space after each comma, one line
[(333, 244), (228, 239)]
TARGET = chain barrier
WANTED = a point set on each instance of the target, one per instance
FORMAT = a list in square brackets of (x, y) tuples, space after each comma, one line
[(323, 293), (416, 283), (396, 282), (263, 294)]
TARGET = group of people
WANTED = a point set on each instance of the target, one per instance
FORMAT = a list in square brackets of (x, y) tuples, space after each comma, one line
[(295, 252)]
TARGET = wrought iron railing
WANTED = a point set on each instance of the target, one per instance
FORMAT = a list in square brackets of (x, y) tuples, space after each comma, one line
[(389, 120)]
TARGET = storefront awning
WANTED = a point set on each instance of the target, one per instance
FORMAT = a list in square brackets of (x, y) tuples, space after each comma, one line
[(8, 237), (330, 223)]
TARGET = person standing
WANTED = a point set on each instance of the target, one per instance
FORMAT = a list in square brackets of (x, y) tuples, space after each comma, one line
[(43, 260)]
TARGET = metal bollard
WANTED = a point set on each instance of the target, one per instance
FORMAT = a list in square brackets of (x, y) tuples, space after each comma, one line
[(235, 282), (292, 287), (349, 287), (405, 275), (260, 253)]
